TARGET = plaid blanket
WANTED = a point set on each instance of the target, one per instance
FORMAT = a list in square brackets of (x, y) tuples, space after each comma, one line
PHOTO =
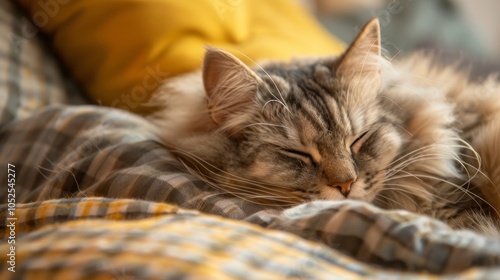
[(98, 196)]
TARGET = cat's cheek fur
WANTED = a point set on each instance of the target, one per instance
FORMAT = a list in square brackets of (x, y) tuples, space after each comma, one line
[(374, 161), (389, 145), (262, 169), (269, 169)]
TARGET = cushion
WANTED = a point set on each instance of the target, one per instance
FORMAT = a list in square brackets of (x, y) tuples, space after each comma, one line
[(120, 50)]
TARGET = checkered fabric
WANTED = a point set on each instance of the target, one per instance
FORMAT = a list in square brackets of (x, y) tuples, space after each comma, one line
[(102, 238), (99, 197), (30, 78)]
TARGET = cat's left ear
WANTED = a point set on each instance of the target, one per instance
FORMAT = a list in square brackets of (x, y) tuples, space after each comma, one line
[(230, 85), (362, 60)]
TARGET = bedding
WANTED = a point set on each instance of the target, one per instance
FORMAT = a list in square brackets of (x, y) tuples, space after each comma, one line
[(97, 196), (103, 238)]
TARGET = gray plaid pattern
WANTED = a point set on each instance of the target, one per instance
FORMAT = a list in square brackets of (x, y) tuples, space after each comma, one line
[(166, 234), (30, 77), (94, 151)]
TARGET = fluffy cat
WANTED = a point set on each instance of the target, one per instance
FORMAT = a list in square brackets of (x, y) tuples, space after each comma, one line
[(409, 135)]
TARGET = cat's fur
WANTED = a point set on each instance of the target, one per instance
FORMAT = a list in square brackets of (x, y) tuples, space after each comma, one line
[(412, 135)]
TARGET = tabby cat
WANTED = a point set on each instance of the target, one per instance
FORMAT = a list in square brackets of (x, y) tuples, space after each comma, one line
[(405, 135)]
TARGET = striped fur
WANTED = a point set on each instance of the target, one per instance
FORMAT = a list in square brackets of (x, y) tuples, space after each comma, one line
[(348, 127)]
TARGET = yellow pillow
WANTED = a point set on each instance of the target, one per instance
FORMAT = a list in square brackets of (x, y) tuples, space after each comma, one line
[(120, 50)]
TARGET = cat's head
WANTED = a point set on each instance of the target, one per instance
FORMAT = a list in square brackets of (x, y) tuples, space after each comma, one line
[(305, 130)]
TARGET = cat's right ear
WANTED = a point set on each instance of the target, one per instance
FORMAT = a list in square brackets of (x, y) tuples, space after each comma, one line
[(362, 60), (230, 85)]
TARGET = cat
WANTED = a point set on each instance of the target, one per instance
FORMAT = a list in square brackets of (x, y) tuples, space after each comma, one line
[(405, 134)]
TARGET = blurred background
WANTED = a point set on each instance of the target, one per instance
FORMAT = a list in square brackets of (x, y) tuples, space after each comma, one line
[(461, 30)]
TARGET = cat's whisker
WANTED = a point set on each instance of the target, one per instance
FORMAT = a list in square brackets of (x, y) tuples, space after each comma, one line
[(257, 124), (420, 176), (255, 188), (403, 129), (282, 102), (423, 157), (420, 150), (466, 156), (406, 175), (200, 162), (269, 101), (251, 195), (456, 188), (260, 190), (454, 157), (416, 190), (472, 195), (467, 146), (411, 90), (389, 199), (404, 189), (247, 189), (400, 158), (390, 99), (401, 163)]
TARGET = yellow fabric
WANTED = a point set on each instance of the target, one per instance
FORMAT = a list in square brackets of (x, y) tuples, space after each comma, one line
[(119, 50)]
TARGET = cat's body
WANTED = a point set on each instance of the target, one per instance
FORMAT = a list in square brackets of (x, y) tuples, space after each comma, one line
[(348, 127)]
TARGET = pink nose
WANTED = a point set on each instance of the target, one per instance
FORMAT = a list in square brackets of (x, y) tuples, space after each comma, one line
[(344, 188)]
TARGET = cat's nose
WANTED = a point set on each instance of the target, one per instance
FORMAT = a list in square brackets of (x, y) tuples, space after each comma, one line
[(344, 188)]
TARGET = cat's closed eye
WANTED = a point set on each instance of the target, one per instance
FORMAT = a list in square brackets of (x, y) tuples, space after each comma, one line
[(358, 142), (304, 156)]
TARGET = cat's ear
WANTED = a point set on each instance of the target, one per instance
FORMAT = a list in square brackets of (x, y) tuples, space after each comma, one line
[(362, 60), (230, 85)]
